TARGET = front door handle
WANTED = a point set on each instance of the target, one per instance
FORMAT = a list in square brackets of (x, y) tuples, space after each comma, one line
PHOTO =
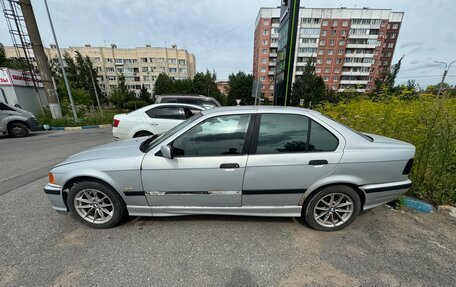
[(229, 165), (318, 162)]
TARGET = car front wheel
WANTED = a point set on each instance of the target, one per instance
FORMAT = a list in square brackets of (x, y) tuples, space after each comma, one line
[(96, 204), (333, 208), (18, 130)]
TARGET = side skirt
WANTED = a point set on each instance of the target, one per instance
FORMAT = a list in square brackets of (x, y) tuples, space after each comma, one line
[(269, 211)]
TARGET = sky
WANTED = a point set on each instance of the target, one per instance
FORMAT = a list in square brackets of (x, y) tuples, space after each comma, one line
[(220, 32)]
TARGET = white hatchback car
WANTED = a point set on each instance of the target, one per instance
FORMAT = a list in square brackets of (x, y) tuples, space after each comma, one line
[(151, 120)]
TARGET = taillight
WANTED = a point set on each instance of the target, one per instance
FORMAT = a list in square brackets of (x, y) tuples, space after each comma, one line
[(116, 123), (408, 167)]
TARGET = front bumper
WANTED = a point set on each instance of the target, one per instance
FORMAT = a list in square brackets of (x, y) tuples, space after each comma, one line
[(34, 125), (54, 193), (378, 194)]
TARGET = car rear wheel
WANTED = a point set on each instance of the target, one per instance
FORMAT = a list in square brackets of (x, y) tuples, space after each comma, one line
[(333, 208), (96, 204), (18, 130)]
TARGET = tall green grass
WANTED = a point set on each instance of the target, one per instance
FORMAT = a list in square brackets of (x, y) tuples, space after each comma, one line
[(427, 122)]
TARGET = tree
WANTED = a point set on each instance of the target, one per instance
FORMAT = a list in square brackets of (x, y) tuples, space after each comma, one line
[(205, 84), (384, 84), (145, 96), (309, 87), (13, 63), (240, 87), (120, 94), (163, 84)]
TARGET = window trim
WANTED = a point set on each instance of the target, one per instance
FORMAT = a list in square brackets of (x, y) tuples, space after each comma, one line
[(256, 132), (247, 139)]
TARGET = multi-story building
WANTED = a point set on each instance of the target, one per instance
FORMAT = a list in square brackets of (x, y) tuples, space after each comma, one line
[(140, 66), (349, 47)]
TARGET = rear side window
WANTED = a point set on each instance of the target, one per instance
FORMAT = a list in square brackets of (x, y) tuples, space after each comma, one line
[(321, 139), (280, 133), (290, 133), (173, 113)]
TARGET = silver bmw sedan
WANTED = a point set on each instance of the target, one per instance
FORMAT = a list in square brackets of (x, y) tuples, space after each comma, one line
[(257, 160)]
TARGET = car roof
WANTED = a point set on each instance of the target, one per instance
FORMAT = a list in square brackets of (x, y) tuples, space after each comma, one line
[(258, 109), (184, 96), (169, 104)]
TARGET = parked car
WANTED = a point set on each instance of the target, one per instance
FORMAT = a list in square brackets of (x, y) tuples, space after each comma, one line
[(202, 101), (259, 161), (16, 121), (151, 120)]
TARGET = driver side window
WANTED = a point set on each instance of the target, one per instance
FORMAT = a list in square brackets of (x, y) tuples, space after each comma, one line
[(217, 136)]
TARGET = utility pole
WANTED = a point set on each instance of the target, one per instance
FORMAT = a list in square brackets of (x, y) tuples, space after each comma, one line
[(95, 88), (445, 72), (41, 59), (73, 107)]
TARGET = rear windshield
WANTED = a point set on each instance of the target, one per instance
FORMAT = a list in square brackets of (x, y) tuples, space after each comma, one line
[(349, 128)]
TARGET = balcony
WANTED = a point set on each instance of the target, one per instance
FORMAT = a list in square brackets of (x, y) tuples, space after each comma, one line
[(350, 73), (271, 73), (361, 46), (359, 55), (353, 82), (357, 64), (272, 63), (362, 36), (273, 55), (274, 45)]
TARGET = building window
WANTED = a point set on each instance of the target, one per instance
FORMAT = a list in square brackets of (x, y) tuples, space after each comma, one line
[(144, 60), (172, 70), (323, 32), (271, 87), (318, 70), (393, 35), (322, 42), (264, 51), (182, 70), (327, 70), (319, 61), (310, 31), (321, 52), (145, 69), (324, 23), (335, 23), (109, 69), (328, 61), (262, 78), (182, 62), (119, 61), (340, 52), (341, 42), (390, 45), (266, 22), (325, 78), (172, 61), (334, 32), (112, 78), (263, 69), (316, 21), (146, 78), (337, 70), (265, 42), (343, 33), (265, 32), (336, 79), (330, 52), (332, 43), (263, 60), (345, 23), (109, 60), (395, 26), (338, 61)]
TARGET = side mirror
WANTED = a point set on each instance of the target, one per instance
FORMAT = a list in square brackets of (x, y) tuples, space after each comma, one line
[(166, 151)]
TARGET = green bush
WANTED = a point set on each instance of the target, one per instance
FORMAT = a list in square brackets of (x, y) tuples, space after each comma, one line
[(134, 105), (426, 122), (88, 118)]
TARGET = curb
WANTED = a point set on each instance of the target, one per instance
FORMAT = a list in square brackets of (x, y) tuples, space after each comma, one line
[(80, 127), (418, 205)]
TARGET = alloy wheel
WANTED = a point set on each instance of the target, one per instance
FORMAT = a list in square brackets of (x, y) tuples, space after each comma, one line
[(93, 206), (333, 209)]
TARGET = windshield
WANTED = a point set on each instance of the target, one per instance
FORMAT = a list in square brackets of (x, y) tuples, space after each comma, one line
[(169, 133)]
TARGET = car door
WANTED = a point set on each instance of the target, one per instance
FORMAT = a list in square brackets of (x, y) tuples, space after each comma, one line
[(207, 168), (289, 152), (163, 118)]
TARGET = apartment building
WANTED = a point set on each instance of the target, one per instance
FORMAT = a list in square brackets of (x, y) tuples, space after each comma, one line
[(349, 47), (140, 66)]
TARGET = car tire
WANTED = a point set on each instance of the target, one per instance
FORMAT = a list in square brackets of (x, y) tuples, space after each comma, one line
[(332, 208), (142, 134), (96, 204), (18, 130)]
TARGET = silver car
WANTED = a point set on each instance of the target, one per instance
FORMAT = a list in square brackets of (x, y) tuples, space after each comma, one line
[(258, 161)]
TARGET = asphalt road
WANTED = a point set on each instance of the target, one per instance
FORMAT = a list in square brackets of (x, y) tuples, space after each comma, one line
[(39, 247)]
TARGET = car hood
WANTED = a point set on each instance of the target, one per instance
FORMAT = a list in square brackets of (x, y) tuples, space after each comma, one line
[(118, 149)]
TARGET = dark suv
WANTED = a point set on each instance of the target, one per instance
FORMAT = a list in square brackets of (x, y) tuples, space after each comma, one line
[(198, 100)]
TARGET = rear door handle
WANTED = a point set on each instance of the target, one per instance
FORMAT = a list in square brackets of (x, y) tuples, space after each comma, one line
[(318, 162), (229, 165), (153, 124)]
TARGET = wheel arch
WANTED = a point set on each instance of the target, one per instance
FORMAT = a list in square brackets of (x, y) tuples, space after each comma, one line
[(311, 192), (17, 121), (142, 131), (74, 180)]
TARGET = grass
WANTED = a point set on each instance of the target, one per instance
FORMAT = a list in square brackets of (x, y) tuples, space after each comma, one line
[(85, 119), (427, 122)]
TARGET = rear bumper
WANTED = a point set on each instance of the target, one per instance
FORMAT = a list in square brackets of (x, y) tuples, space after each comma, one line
[(54, 193), (378, 194), (119, 136)]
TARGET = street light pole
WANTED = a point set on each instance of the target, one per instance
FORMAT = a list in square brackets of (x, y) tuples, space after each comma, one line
[(73, 107), (445, 72), (95, 88)]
